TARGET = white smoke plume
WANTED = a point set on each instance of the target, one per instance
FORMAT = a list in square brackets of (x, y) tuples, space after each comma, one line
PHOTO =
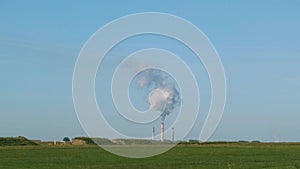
[(163, 95)]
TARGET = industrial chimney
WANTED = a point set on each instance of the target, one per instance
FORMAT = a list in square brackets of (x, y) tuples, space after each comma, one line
[(162, 130), (153, 133), (172, 134)]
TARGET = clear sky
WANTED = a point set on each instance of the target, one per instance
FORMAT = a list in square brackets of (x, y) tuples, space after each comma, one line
[(258, 42)]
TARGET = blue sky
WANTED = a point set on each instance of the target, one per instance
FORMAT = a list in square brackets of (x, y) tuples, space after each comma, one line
[(258, 42)]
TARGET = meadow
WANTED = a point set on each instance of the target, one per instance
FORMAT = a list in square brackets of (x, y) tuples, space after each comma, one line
[(206, 156)]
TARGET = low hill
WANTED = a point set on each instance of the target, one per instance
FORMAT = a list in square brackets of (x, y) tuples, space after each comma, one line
[(15, 141), (93, 141)]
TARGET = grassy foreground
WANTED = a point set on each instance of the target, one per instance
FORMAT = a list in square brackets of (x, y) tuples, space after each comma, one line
[(234, 155)]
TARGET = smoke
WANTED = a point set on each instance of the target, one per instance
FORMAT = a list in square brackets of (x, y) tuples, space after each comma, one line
[(163, 95)]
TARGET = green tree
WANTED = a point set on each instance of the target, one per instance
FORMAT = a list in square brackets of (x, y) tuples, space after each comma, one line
[(66, 139)]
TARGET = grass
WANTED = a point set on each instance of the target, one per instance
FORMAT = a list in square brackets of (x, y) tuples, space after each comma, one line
[(233, 155)]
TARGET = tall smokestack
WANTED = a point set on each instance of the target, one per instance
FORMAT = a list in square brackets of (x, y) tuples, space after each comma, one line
[(162, 130), (153, 133), (172, 134)]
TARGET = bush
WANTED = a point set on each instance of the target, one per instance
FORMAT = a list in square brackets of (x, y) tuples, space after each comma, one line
[(194, 141)]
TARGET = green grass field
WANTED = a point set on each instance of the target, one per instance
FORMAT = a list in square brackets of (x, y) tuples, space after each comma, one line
[(234, 155)]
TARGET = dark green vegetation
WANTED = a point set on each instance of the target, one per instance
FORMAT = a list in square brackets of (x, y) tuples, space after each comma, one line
[(216, 155), (15, 141), (105, 141)]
